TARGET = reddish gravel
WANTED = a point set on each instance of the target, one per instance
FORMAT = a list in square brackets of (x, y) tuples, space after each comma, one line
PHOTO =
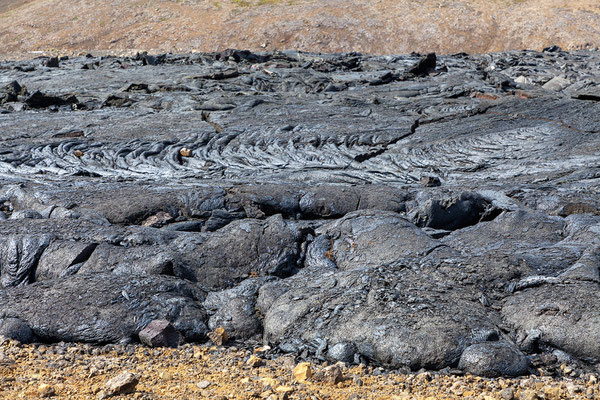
[(374, 26)]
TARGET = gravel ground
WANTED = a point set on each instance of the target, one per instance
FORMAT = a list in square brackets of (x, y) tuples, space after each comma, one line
[(76, 371)]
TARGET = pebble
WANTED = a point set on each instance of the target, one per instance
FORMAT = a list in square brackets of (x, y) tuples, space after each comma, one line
[(218, 336), (45, 390), (123, 383), (254, 362), (507, 394), (302, 372)]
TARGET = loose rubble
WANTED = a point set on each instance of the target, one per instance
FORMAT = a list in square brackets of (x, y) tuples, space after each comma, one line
[(75, 371)]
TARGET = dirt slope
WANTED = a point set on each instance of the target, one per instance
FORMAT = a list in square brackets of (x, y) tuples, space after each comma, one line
[(375, 26)]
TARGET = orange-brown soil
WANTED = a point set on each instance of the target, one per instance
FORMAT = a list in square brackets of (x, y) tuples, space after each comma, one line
[(375, 26), (209, 372)]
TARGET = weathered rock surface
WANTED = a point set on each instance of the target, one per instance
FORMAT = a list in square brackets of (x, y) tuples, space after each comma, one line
[(340, 206), (102, 308)]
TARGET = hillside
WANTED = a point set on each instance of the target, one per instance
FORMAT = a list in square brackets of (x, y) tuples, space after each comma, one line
[(378, 26)]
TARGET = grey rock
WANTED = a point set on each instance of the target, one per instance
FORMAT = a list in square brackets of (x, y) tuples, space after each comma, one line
[(453, 212), (22, 214), (235, 309), (105, 308), (557, 84), (14, 328), (342, 351), (59, 256), (124, 383), (19, 255), (566, 316), (492, 359), (247, 246)]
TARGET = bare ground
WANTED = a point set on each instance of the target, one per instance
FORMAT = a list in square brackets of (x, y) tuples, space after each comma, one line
[(377, 26)]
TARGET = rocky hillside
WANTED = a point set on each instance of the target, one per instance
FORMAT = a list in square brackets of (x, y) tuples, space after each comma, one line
[(374, 26)]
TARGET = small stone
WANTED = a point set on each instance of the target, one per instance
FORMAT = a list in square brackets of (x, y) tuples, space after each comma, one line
[(165, 376), (124, 383), (52, 62), (185, 152), (331, 375), (491, 359), (262, 349), (557, 84), (552, 393), (269, 382), (78, 153), (343, 351), (430, 181), (528, 395), (218, 336), (302, 372), (158, 220), (45, 390), (566, 369), (284, 389), (255, 362), (507, 394), (203, 384), (356, 380), (160, 333)]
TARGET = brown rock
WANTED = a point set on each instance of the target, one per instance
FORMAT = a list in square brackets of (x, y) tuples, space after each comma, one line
[(157, 220), (185, 152), (507, 394), (552, 393), (203, 384), (45, 390), (123, 383), (528, 395), (160, 333), (78, 153), (430, 181), (302, 372), (284, 389), (218, 336), (331, 375), (255, 361)]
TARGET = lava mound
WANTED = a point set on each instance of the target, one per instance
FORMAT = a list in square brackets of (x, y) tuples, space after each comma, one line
[(409, 211)]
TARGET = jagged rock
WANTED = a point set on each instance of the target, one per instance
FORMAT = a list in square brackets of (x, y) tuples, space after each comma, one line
[(425, 65), (40, 100), (52, 62), (160, 333), (452, 213), (218, 336), (302, 372), (331, 374), (124, 383)]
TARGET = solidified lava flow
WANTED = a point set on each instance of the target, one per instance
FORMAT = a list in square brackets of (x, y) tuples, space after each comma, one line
[(403, 211)]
